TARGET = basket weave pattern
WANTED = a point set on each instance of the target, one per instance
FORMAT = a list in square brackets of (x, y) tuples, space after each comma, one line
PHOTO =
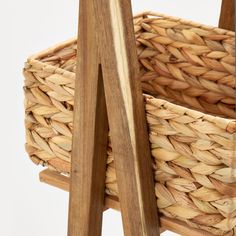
[(189, 68)]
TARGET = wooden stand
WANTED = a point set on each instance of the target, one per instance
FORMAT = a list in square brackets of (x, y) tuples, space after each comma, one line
[(108, 91), (108, 80)]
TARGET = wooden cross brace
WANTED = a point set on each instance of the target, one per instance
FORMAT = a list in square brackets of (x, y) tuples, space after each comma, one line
[(108, 91)]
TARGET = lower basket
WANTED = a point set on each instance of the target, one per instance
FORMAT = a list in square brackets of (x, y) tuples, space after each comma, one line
[(189, 71)]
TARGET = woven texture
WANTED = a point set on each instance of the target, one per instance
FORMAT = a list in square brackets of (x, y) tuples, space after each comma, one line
[(189, 71)]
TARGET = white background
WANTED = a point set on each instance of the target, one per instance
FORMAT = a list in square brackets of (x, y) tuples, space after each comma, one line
[(28, 207)]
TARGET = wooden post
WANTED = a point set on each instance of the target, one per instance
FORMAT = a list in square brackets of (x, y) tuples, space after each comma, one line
[(126, 116), (125, 109), (90, 134), (227, 16)]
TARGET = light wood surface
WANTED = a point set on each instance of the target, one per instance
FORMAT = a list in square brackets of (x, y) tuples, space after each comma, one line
[(89, 136), (181, 228), (227, 16), (57, 180), (126, 117)]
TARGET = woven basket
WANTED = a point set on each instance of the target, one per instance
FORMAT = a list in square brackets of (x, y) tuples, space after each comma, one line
[(188, 70)]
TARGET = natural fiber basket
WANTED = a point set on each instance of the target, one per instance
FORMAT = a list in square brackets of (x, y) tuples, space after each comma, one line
[(190, 69)]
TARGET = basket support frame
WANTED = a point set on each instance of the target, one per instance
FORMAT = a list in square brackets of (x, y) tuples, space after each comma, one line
[(62, 182), (108, 91)]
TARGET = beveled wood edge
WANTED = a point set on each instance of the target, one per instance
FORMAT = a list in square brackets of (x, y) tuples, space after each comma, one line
[(60, 181)]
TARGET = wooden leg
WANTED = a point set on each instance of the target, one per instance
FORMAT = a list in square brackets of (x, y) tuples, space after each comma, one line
[(124, 100), (126, 116), (227, 15), (89, 136)]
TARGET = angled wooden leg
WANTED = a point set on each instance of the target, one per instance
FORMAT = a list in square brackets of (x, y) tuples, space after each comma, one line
[(117, 53), (89, 136), (126, 117), (227, 16)]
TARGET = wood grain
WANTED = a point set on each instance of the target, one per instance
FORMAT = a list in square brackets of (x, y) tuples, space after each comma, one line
[(89, 136), (227, 16), (181, 228), (55, 179), (126, 117)]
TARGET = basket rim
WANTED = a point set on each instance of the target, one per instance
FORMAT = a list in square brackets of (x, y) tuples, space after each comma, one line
[(221, 122), (52, 49), (145, 14)]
